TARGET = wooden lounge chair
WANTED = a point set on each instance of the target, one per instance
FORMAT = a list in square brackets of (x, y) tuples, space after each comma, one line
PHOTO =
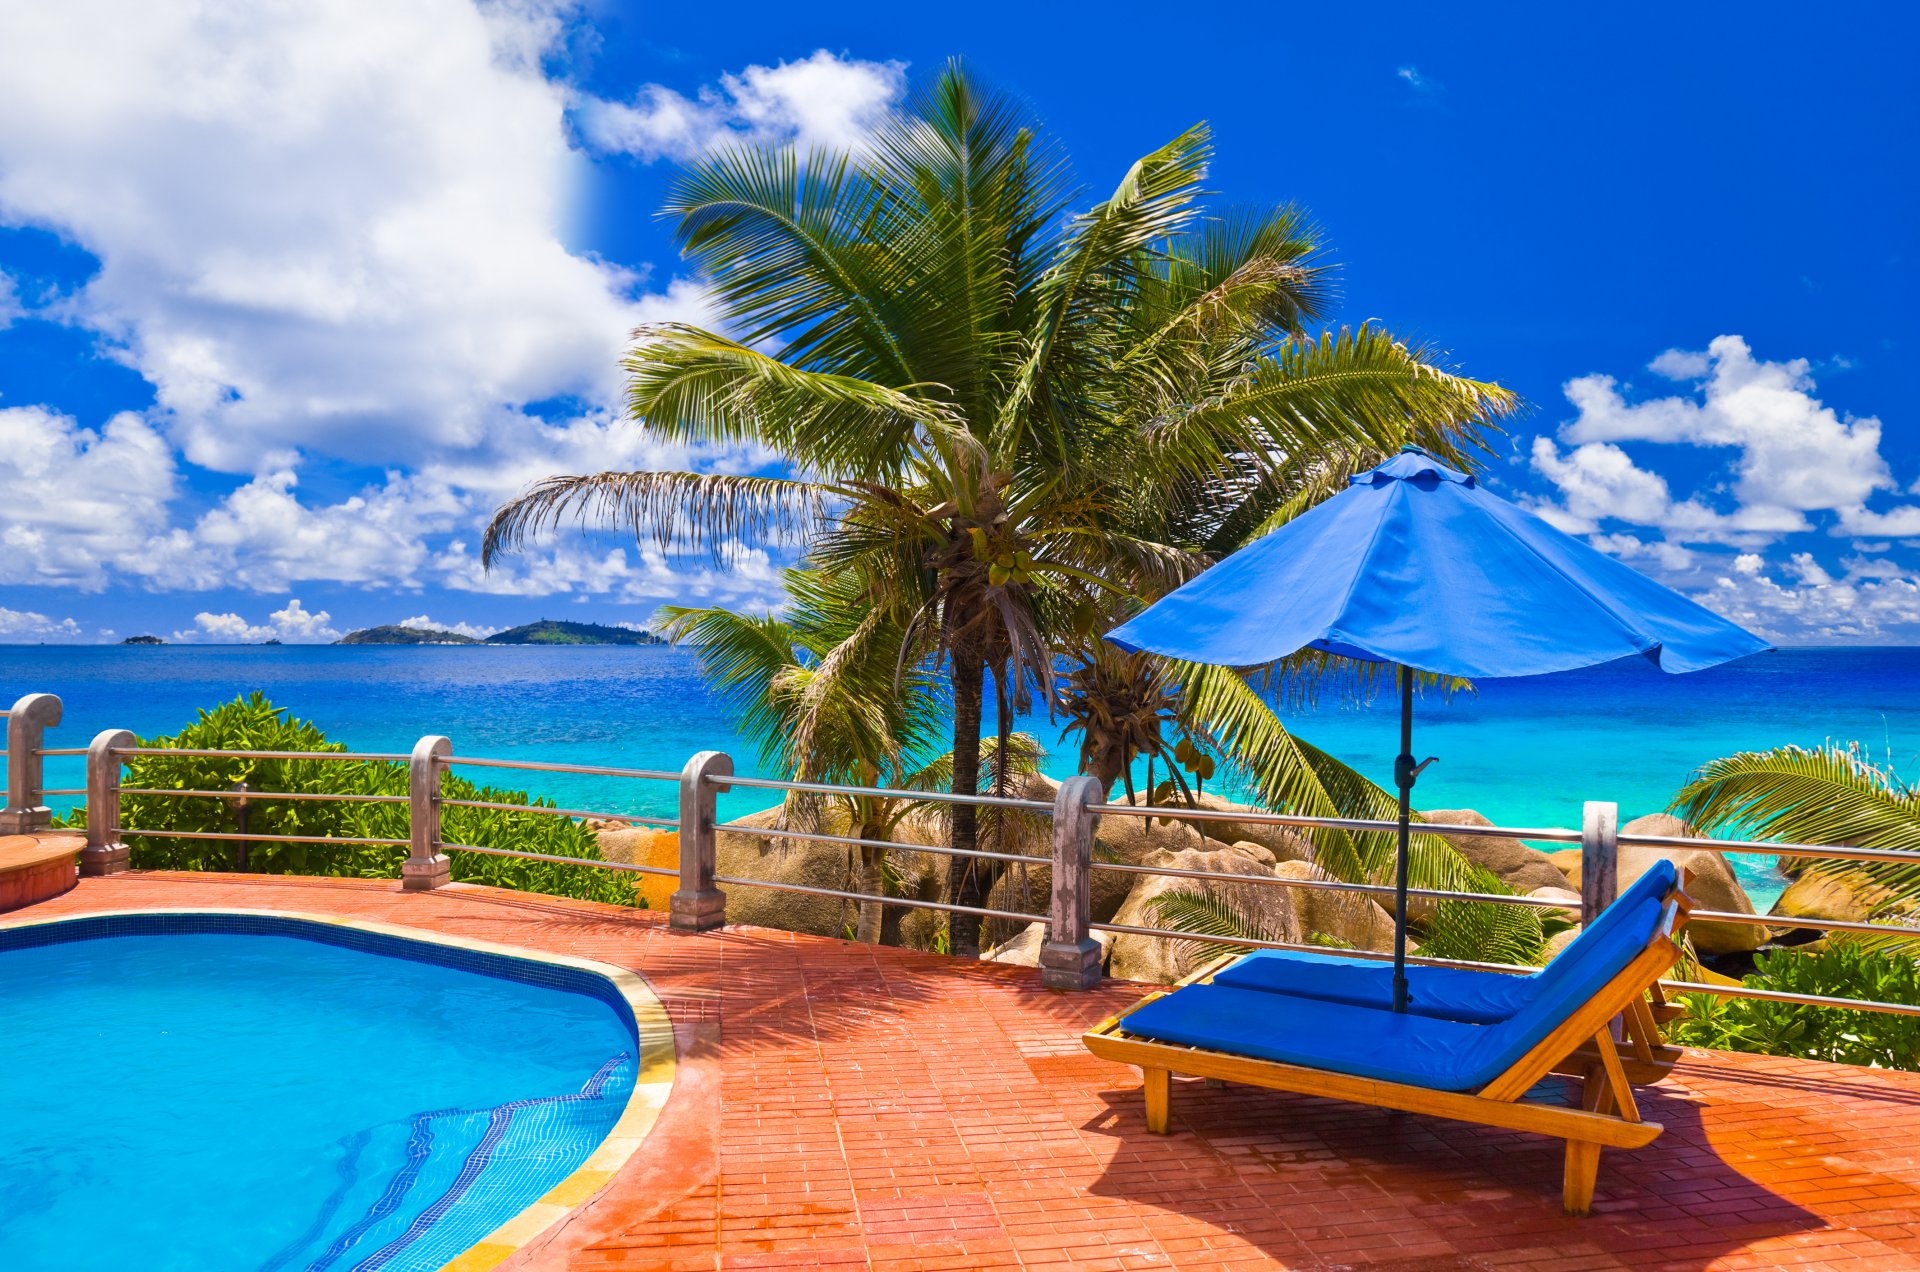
[(1428, 1064), (1470, 995)]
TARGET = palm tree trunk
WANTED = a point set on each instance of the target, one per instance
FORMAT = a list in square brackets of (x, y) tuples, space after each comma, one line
[(966, 885), (873, 882)]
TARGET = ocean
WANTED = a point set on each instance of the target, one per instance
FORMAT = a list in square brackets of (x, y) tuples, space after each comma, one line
[(1523, 752)]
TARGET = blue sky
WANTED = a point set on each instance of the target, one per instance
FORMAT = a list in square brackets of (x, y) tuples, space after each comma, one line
[(292, 295)]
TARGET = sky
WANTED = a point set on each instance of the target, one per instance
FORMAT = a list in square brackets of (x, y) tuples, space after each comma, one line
[(293, 293)]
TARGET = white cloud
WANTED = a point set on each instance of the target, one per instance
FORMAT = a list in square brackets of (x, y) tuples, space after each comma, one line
[(266, 539), (1680, 364), (28, 623), (293, 624), (1412, 77), (1793, 454), (1668, 557), (822, 102), (328, 231), (1597, 482), (10, 306), (420, 622), (326, 226), (1869, 604), (79, 503)]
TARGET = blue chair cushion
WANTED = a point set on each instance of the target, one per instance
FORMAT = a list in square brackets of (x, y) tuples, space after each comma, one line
[(1393, 1047), (1424, 1051), (1446, 993)]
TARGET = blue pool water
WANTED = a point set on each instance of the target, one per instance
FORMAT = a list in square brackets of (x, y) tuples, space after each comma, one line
[(1523, 752), (255, 1095)]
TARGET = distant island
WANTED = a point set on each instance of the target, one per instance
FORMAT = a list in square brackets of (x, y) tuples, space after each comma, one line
[(545, 632), (393, 635), (143, 640), (550, 631)]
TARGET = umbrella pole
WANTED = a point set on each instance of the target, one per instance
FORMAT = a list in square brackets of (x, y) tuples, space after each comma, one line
[(1403, 778), (1405, 773)]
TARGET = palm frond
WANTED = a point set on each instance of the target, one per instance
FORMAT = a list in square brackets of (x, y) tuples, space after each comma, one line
[(714, 511), (1812, 795)]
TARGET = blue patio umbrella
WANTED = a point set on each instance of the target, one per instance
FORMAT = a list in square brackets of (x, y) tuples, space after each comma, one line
[(1418, 565)]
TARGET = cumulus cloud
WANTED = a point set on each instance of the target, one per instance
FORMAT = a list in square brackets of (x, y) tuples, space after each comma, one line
[(293, 624), (331, 235), (820, 103), (420, 622), (1863, 605), (35, 626), (79, 503), (324, 226), (1791, 453), (1791, 466)]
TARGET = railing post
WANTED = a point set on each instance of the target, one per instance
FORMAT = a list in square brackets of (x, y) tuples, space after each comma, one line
[(26, 809), (426, 867), (105, 853), (1599, 858), (1070, 959), (697, 905)]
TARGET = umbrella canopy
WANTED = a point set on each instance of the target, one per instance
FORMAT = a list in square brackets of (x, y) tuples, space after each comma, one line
[(1416, 564)]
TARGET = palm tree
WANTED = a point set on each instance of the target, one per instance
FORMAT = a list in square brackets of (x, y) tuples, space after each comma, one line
[(975, 393), (818, 688)]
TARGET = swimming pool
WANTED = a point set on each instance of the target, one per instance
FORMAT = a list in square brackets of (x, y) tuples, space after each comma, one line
[(211, 1090)]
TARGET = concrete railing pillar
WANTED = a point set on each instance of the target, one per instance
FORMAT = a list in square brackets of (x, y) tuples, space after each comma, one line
[(1599, 858), (105, 854), (699, 906), (426, 867), (26, 809), (1070, 959)]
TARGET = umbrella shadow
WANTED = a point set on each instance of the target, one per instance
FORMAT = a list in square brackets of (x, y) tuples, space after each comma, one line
[(1315, 1182)]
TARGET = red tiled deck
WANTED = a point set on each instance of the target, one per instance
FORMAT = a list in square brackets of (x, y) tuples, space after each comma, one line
[(848, 1106)]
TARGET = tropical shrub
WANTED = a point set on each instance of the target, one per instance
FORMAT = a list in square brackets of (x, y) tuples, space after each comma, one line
[(1842, 969), (255, 724)]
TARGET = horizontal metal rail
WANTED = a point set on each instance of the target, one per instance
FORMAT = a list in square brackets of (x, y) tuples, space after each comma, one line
[(1254, 942), (323, 796), (1253, 817), (853, 841), (668, 822), (911, 902), (257, 839), (882, 792), (65, 791), (629, 866), (1779, 920), (1760, 847), (541, 766), (354, 756), (1782, 996), (62, 750), (1334, 885)]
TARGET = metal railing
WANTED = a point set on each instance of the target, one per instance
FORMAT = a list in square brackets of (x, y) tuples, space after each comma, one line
[(1070, 957)]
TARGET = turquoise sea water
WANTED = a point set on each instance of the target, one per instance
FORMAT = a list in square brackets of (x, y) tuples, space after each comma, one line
[(1523, 752), (246, 1099)]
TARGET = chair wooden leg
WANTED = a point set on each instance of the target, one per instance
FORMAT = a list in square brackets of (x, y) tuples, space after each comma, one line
[(1159, 1088), (1583, 1170)]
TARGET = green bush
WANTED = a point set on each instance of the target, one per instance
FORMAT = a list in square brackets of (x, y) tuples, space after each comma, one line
[(254, 724), (1841, 970)]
